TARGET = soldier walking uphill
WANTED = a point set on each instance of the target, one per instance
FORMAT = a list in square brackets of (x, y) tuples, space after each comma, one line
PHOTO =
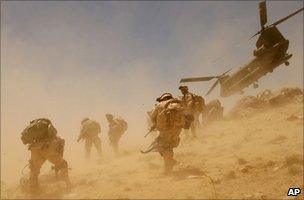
[(89, 133), (194, 105), (117, 127), (168, 118), (44, 144)]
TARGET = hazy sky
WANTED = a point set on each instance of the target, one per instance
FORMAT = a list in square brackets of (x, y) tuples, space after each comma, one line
[(69, 60)]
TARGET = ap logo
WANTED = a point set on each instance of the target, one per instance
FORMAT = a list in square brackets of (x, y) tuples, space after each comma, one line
[(294, 191)]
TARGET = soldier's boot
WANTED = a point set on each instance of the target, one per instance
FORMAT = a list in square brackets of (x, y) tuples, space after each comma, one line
[(64, 173), (87, 154), (115, 148), (33, 185), (193, 130), (97, 144), (169, 161), (116, 151), (169, 166)]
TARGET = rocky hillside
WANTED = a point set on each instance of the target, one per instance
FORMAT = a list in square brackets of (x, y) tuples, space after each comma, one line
[(256, 156)]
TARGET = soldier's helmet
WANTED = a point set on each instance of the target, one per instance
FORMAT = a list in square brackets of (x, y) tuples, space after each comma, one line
[(109, 116), (84, 120), (183, 87), (164, 97)]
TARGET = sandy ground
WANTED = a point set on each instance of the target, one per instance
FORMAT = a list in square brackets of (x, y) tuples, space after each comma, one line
[(258, 157)]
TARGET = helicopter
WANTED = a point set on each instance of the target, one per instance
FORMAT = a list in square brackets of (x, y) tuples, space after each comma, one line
[(271, 52)]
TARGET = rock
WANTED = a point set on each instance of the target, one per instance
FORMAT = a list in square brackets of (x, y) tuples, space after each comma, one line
[(284, 95), (244, 106)]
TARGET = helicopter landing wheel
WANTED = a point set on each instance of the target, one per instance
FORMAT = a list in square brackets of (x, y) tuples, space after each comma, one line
[(286, 63), (255, 85)]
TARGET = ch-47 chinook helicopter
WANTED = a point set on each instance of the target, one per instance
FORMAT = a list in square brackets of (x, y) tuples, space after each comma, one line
[(270, 52)]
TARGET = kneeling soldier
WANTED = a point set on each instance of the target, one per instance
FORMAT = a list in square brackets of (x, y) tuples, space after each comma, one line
[(44, 144)]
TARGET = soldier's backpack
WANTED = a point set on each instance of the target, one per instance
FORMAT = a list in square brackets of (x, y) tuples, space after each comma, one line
[(199, 103), (123, 124), (90, 128), (170, 116), (38, 130)]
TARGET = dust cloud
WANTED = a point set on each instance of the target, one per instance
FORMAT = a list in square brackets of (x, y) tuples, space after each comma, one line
[(68, 68)]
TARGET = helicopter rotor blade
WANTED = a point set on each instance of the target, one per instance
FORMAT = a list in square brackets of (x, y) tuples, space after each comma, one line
[(225, 72), (287, 17), (255, 35), (263, 13), (213, 86), (197, 79)]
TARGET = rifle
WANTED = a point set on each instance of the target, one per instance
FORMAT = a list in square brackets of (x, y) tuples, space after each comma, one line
[(150, 130), (153, 146)]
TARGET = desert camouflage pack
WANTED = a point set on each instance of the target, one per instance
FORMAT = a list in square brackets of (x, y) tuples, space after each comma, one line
[(38, 130), (90, 128), (171, 115), (199, 103)]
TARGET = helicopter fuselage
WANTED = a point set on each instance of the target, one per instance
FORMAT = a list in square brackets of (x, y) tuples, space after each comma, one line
[(266, 59), (271, 52)]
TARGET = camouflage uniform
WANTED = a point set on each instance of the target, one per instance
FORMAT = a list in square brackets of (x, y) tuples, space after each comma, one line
[(89, 132), (189, 104), (117, 127), (212, 111), (51, 149), (168, 137)]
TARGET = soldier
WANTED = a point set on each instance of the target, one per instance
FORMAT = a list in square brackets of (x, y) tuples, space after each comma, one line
[(117, 127), (167, 118), (213, 111), (194, 106), (89, 132), (44, 144)]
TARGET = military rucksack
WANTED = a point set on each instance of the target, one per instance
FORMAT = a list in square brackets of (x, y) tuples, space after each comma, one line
[(199, 103), (170, 116), (38, 130), (90, 128), (122, 123)]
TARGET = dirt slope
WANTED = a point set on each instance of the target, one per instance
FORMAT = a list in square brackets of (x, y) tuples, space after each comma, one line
[(260, 156)]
